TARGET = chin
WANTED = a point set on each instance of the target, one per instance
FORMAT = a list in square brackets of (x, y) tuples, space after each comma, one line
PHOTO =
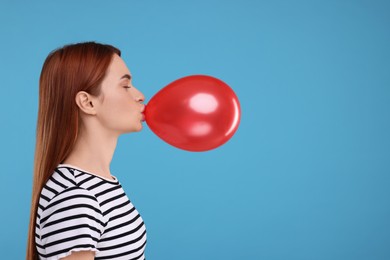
[(133, 129), (139, 129)]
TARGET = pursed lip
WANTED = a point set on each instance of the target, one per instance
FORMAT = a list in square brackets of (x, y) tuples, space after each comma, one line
[(143, 108), (142, 113)]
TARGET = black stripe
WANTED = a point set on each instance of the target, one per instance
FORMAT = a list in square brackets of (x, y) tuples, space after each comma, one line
[(122, 224), (68, 229), (67, 250), (125, 253), (69, 208), (48, 224), (45, 198), (38, 245), (62, 192), (86, 179), (65, 177), (95, 185), (123, 244), (64, 240), (69, 198), (71, 170), (108, 190), (67, 190), (123, 234), (72, 188), (138, 257), (79, 174), (123, 214), (50, 189), (57, 182), (116, 207), (112, 199)]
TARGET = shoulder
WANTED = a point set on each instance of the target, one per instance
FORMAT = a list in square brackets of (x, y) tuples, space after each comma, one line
[(60, 180), (70, 202), (62, 194), (62, 183)]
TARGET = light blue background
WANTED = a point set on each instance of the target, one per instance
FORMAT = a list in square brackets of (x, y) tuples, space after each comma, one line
[(307, 175)]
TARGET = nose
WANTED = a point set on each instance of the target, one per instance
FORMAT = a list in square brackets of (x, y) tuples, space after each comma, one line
[(138, 96)]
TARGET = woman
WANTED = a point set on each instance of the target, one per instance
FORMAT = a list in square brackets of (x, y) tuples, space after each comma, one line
[(79, 210)]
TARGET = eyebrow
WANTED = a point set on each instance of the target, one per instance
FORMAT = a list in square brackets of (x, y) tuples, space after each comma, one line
[(126, 76)]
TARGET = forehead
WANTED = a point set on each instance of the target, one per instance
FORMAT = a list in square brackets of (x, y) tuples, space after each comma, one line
[(117, 68)]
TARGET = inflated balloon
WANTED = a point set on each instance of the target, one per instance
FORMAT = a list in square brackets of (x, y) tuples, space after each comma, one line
[(194, 113)]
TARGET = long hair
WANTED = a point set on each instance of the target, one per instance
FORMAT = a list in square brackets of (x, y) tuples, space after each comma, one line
[(66, 71)]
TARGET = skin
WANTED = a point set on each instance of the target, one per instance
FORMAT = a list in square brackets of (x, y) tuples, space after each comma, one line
[(117, 110)]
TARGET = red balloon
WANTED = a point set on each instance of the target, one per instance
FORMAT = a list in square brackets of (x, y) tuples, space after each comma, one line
[(195, 113)]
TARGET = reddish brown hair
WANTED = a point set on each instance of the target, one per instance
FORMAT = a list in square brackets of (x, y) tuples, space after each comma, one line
[(65, 72)]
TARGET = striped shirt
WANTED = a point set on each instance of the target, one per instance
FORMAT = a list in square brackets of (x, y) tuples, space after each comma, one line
[(82, 211)]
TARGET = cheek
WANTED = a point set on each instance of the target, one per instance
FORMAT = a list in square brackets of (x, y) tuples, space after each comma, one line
[(122, 107), (111, 110), (117, 102)]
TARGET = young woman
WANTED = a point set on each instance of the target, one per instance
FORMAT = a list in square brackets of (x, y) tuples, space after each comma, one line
[(79, 210)]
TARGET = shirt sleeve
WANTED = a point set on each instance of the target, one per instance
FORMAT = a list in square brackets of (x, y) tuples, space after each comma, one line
[(71, 222)]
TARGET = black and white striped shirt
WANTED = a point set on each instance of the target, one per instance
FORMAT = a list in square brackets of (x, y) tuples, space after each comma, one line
[(82, 211)]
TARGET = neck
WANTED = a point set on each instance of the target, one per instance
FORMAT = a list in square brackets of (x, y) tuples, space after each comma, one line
[(93, 152)]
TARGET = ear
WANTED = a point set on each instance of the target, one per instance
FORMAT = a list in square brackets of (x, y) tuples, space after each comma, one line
[(86, 103)]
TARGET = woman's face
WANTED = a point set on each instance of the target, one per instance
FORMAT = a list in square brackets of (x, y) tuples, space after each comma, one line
[(120, 107)]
